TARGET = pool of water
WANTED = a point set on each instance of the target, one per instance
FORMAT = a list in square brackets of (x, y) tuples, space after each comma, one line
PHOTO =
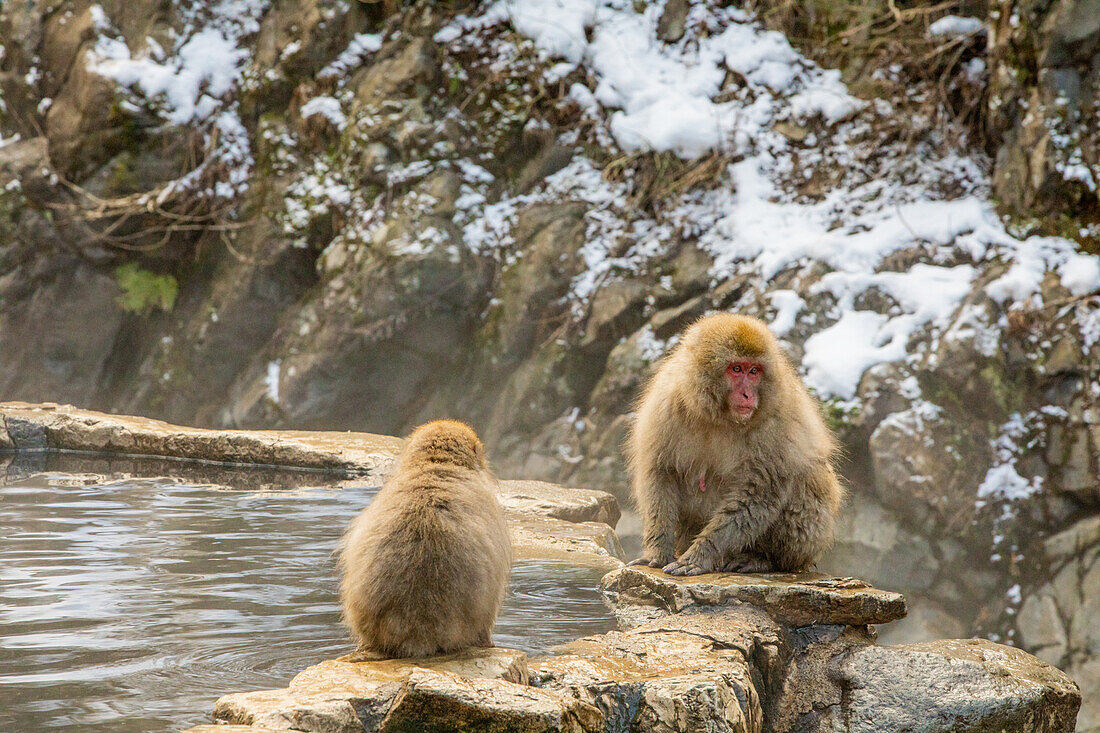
[(131, 604)]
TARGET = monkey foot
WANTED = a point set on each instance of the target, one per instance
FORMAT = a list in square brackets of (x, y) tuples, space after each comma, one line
[(748, 564), (685, 567), (646, 562)]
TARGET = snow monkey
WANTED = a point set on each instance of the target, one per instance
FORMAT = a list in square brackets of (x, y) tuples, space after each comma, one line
[(730, 458), (425, 566)]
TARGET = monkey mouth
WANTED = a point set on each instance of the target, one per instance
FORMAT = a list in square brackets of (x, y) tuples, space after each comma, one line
[(743, 412)]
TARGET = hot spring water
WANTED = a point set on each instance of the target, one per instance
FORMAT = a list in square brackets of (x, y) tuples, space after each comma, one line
[(132, 604)]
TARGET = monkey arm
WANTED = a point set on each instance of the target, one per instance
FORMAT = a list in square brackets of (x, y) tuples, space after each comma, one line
[(738, 524), (660, 512)]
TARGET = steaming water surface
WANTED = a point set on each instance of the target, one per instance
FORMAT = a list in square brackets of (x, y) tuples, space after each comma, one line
[(131, 605)]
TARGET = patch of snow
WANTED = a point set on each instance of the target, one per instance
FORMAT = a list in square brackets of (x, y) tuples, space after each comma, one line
[(474, 173), (826, 96), (361, 46), (788, 304), (192, 84), (1080, 274), (836, 357), (1089, 323), (971, 325), (556, 26), (328, 107), (663, 96), (203, 70), (650, 347), (271, 379), (652, 95), (956, 25), (975, 69), (99, 17), (1003, 482)]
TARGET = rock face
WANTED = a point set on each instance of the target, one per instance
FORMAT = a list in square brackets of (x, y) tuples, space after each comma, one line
[(1057, 621), (694, 672), (27, 427), (1045, 108)]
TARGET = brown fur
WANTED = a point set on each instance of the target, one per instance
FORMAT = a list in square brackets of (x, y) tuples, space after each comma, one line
[(771, 495), (426, 564)]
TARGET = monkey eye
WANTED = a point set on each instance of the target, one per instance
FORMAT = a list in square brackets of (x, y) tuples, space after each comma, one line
[(736, 367), (754, 370)]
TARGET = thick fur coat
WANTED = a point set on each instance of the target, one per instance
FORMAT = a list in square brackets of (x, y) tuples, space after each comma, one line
[(426, 565)]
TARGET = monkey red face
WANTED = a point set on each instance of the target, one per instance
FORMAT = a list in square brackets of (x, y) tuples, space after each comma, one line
[(744, 379)]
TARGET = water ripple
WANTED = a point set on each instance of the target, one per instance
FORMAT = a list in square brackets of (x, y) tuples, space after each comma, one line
[(131, 605)]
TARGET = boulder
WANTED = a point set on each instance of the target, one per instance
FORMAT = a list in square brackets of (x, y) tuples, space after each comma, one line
[(541, 499), (952, 685), (689, 672), (432, 700), (583, 543), (354, 694), (281, 710), (801, 599), (62, 427)]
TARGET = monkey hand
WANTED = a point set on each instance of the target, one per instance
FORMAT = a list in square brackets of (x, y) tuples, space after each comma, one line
[(653, 558), (690, 563)]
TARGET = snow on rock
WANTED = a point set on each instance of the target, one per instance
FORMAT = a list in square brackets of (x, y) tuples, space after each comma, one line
[(788, 304), (1080, 273), (662, 96), (836, 357), (271, 379), (659, 96), (955, 25), (190, 83), (328, 107), (194, 83), (1002, 481), (361, 46)]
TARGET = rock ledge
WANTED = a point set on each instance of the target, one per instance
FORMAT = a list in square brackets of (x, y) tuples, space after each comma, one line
[(797, 600)]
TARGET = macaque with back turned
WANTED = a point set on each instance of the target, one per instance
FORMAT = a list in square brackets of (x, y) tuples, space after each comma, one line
[(426, 565)]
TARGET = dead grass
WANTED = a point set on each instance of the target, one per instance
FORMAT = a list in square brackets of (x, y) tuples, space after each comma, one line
[(884, 50), (657, 178)]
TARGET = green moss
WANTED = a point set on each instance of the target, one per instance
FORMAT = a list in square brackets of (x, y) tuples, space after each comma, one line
[(837, 413), (123, 178), (143, 291), (1006, 397), (128, 136), (11, 202)]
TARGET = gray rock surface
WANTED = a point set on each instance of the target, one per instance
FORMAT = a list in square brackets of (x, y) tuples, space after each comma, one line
[(804, 599), (952, 685), (541, 499), (1043, 107)]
